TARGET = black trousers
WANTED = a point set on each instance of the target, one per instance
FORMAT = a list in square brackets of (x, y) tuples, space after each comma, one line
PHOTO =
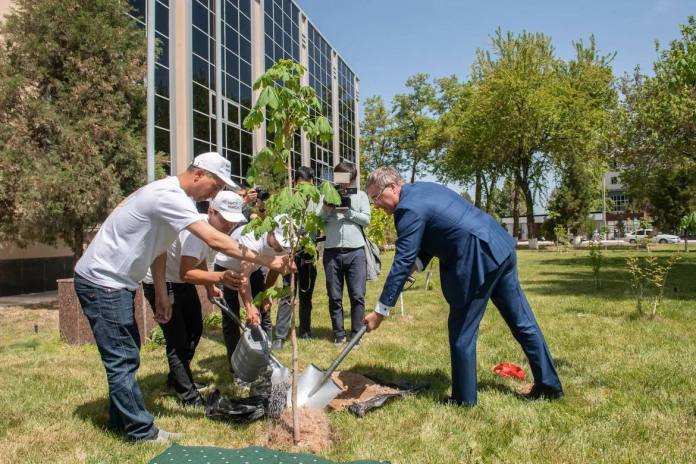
[(349, 265), (230, 330), (305, 278), (182, 334)]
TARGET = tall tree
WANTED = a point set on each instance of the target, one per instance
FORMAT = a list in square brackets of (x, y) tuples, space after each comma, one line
[(415, 126), (72, 120), (376, 137), (656, 130), (580, 144)]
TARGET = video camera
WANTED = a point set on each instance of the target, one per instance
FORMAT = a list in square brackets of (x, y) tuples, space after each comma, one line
[(262, 194), (344, 192)]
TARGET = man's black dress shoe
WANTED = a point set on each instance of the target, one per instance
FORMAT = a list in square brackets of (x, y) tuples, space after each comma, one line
[(542, 392)]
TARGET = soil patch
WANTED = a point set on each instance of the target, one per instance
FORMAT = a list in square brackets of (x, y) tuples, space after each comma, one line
[(356, 388), (315, 432)]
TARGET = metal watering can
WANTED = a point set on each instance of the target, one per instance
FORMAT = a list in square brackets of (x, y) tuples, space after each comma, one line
[(253, 354)]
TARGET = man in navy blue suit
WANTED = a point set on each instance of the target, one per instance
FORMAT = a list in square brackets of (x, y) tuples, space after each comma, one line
[(477, 263)]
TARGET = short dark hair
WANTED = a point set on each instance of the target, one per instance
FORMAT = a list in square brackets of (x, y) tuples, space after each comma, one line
[(304, 173), (345, 166)]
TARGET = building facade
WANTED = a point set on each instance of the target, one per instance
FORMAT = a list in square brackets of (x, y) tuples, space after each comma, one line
[(205, 55), (203, 58)]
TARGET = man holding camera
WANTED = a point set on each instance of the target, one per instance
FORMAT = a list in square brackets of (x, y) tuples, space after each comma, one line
[(344, 253)]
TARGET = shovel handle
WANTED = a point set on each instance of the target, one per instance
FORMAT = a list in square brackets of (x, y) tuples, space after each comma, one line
[(327, 374)]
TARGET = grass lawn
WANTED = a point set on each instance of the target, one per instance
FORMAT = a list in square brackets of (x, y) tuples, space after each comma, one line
[(630, 382)]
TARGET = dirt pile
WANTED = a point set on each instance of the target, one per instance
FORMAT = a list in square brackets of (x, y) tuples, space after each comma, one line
[(315, 432), (356, 388)]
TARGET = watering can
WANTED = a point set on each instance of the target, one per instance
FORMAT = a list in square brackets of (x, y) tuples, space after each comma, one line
[(252, 354)]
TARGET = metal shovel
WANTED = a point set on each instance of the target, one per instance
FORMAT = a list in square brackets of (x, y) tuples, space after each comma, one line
[(316, 388)]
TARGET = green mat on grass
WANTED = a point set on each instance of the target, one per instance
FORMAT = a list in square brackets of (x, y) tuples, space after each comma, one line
[(177, 454)]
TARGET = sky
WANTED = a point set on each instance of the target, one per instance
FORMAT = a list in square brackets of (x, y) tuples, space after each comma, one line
[(386, 41)]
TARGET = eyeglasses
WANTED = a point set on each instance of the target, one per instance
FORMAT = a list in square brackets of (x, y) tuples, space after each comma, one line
[(379, 197)]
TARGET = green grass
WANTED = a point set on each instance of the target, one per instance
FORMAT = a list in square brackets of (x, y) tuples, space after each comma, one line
[(629, 381)]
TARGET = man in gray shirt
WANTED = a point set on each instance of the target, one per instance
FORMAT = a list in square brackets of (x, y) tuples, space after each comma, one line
[(344, 255)]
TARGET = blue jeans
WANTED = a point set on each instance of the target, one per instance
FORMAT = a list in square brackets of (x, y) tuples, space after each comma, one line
[(110, 314)]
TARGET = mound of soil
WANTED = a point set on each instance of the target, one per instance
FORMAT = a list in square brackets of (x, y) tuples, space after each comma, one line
[(315, 432), (356, 388)]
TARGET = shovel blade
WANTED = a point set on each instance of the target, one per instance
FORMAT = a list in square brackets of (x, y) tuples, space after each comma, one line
[(311, 376)]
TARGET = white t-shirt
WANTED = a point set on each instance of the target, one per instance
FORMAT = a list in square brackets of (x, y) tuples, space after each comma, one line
[(138, 230), (186, 244), (250, 242)]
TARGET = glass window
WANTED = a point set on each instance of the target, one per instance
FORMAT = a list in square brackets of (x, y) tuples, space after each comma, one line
[(162, 18), (161, 81), (201, 99), (199, 43), (246, 143), (200, 71), (201, 126), (161, 112)]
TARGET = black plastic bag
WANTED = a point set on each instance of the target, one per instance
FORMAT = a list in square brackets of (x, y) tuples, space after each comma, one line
[(362, 408), (241, 410)]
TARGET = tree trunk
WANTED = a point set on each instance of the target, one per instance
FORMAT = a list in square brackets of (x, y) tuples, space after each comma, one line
[(477, 191), (413, 171), (515, 212), (529, 201), (78, 242)]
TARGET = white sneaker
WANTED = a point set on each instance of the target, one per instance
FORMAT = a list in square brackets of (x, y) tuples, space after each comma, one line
[(164, 437)]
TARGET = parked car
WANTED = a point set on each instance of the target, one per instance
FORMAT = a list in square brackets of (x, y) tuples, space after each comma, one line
[(647, 234)]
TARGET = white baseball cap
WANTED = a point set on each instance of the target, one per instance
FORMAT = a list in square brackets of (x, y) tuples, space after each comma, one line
[(282, 220), (216, 164), (229, 205)]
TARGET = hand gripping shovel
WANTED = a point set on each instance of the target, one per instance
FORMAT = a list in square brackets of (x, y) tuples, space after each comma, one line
[(315, 388)]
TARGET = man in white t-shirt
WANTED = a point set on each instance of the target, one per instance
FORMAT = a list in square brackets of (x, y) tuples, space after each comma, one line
[(268, 244), (187, 266), (135, 236)]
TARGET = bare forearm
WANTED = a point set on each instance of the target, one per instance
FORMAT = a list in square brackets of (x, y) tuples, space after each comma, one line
[(201, 277)]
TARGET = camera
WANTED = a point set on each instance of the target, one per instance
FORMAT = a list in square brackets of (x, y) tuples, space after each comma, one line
[(344, 192), (262, 194)]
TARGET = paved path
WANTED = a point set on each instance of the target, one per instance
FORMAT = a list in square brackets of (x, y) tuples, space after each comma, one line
[(46, 298)]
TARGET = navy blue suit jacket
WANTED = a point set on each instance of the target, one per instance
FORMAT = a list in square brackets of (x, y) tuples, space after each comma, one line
[(432, 220)]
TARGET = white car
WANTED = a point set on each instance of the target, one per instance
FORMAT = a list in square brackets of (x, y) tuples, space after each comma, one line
[(646, 234)]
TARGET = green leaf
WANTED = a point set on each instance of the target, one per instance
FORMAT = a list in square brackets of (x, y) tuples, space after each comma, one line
[(330, 194)]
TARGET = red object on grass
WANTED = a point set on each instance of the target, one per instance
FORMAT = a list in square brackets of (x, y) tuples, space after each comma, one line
[(509, 370)]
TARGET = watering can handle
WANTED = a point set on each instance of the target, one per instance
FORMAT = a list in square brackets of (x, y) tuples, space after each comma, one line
[(220, 303), (327, 374)]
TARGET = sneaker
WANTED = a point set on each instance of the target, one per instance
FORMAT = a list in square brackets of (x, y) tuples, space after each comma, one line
[(277, 345), (339, 340), (542, 392), (306, 336), (164, 437)]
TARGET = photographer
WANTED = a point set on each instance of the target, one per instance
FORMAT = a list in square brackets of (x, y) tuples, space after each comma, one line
[(344, 254)]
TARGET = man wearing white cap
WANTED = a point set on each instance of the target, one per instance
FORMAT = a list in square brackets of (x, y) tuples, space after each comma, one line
[(186, 267), (135, 236), (268, 244)]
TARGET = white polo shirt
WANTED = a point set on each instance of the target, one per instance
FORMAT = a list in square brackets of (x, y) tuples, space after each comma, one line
[(259, 245), (138, 230), (186, 244)]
